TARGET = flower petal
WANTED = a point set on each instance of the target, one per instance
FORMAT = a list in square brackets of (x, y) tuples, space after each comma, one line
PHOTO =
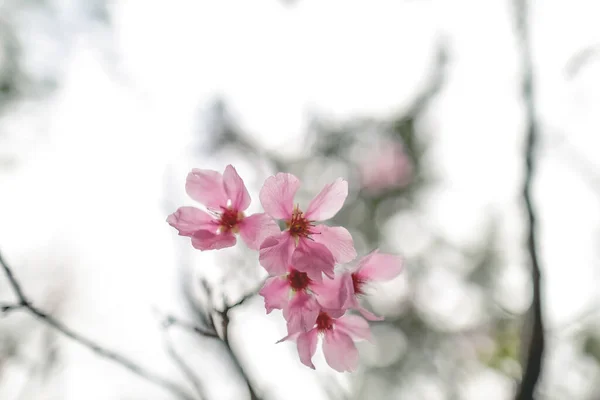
[(340, 352), (368, 314), (206, 187), (276, 292), (276, 253), (379, 267), (354, 326), (328, 202), (255, 228), (307, 346), (206, 240), (337, 239), (301, 313), (188, 220), (235, 189), (314, 259), (333, 293), (292, 336), (277, 195)]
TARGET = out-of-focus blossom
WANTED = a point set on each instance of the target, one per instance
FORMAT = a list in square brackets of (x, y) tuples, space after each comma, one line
[(353, 283), (225, 198), (323, 244), (385, 166), (339, 332)]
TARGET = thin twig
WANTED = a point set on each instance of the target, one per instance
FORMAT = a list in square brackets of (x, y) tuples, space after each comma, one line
[(185, 369), (225, 328), (6, 308), (172, 320), (224, 336), (535, 350), (580, 59), (48, 319), (578, 161)]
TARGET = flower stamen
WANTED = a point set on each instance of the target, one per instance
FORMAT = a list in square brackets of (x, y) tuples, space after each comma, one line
[(229, 220), (298, 225), (324, 322), (299, 281)]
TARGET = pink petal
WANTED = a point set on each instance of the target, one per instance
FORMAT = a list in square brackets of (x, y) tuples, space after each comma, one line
[(307, 346), (340, 352), (337, 239), (255, 228), (188, 220), (276, 292), (276, 253), (277, 195), (314, 259), (206, 187), (333, 293), (354, 326), (206, 240), (235, 189), (291, 336), (368, 314), (379, 267), (328, 202), (301, 313)]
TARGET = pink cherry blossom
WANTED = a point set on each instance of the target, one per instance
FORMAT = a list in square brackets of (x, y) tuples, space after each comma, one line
[(279, 290), (374, 267), (225, 198), (294, 293), (338, 334), (277, 198), (385, 166)]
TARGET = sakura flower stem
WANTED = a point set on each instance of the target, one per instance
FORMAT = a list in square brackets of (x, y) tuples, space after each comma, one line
[(24, 303), (536, 346)]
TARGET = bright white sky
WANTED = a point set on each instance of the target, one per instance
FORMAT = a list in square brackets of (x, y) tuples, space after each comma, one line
[(95, 187)]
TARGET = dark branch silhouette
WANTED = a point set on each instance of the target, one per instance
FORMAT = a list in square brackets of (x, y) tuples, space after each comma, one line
[(170, 320), (211, 330), (225, 338), (185, 369), (23, 303), (535, 349)]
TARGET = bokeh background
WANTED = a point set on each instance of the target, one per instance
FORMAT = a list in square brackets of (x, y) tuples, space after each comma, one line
[(105, 107)]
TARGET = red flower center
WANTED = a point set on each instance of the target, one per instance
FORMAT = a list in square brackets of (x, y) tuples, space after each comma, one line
[(358, 284), (324, 322), (229, 220), (298, 280), (298, 225)]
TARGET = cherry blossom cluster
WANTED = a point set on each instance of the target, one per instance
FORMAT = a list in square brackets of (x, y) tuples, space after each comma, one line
[(315, 297)]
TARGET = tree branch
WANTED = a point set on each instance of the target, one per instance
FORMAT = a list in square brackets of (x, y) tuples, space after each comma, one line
[(580, 59), (8, 307), (24, 303), (535, 350), (185, 369), (172, 320), (225, 327), (224, 335)]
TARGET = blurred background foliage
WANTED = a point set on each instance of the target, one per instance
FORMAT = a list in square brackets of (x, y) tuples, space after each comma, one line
[(386, 164), (36, 38)]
